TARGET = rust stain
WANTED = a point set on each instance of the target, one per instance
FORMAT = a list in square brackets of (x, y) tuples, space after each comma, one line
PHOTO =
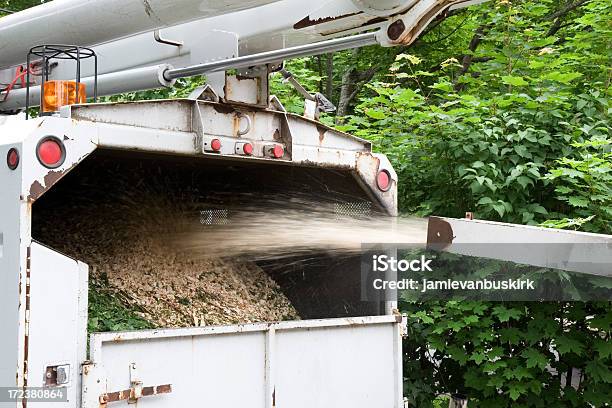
[(408, 37), (149, 10), (321, 131), (26, 345), (52, 177), (161, 389), (36, 190), (274, 397), (309, 22), (129, 393), (277, 135), (221, 108), (375, 20), (439, 234)]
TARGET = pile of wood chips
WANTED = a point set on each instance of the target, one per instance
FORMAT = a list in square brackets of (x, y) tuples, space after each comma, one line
[(127, 244)]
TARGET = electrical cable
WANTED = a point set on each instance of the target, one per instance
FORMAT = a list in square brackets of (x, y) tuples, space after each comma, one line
[(19, 75)]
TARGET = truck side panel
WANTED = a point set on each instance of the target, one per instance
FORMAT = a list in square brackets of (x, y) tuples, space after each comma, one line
[(345, 362)]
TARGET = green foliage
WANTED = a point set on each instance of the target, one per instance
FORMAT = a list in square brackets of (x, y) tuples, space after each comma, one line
[(17, 5), (523, 136), (509, 355), (107, 313), (292, 100), (584, 184), (497, 156)]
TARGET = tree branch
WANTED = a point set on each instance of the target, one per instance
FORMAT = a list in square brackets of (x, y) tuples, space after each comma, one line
[(468, 59), (559, 15)]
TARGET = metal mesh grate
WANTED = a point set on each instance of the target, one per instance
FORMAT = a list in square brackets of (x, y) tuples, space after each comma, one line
[(354, 209), (214, 217)]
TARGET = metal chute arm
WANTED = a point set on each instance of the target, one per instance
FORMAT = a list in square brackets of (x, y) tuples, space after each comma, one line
[(236, 39)]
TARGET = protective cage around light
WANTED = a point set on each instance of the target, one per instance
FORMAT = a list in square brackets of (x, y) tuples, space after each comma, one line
[(56, 93)]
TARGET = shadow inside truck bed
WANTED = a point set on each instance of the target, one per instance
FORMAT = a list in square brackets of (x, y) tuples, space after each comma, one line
[(111, 194)]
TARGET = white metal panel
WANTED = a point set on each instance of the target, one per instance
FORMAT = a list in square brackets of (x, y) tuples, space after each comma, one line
[(37, 178), (351, 366), (546, 247), (480, 231), (203, 370), (12, 268), (56, 319), (349, 362)]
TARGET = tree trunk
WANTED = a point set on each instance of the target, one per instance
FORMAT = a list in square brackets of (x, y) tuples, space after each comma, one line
[(352, 82), (329, 72)]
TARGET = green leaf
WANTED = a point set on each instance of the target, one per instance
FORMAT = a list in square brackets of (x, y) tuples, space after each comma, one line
[(565, 78), (484, 201), (504, 314), (516, 390), (524, 181), (539, 209), (477, 164), (604, 349), (514, 80), (412, 58), (534, 358), (500, 208), (510, 334), (424, 317), (599, 371), (468, 149), (568, 345), (375, 114), (455, 325), (578, 202), (478, 358), (522, 151)]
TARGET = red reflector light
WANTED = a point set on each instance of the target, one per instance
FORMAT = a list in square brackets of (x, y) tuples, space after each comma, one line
[(383, 180), (215, 145), (51, 152), (277, 151), (247, 148), (12, 159)]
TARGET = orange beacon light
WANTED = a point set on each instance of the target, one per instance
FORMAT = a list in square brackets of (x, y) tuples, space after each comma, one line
[(62, 93), (55, 93)]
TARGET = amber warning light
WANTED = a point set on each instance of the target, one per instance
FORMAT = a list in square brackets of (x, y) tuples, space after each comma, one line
[(58, 92), (62, 93)]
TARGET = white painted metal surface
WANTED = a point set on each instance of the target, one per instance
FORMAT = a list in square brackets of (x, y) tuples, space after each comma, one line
[(352, 362), (546, 247), (406, 28), (13, 221), (90, 22), (57, 323), (56, 285)]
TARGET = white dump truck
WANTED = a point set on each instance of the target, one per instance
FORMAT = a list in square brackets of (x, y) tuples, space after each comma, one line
[(345, 352)]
